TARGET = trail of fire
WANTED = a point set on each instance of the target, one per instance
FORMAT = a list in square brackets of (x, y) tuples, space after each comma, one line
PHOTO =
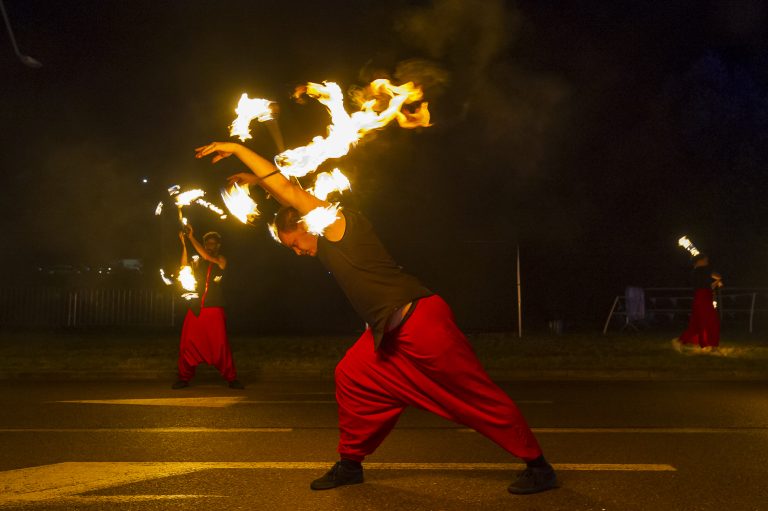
[(247, 110), (345, 130)]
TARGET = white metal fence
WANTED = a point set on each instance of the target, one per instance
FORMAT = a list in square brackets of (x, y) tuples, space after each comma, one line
[(82, 307), (649, 306)]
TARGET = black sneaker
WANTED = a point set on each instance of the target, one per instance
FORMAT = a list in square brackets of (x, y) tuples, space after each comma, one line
[(343, 472), (180, 384), (534, 480), (235, 384)]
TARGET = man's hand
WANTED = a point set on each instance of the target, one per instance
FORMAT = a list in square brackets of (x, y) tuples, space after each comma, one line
[(220, 150)]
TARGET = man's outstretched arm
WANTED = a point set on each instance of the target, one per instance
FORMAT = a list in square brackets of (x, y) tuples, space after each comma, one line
[(270, 179)]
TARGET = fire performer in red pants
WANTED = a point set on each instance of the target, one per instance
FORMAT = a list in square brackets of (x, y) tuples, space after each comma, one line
[(412, 353), (204, 333), (704, 326)]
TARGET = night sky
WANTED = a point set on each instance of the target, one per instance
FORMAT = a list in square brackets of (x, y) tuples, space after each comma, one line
[(593, 135)]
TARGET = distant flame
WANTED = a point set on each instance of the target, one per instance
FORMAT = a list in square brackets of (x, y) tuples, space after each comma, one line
[(688, 245), (319, 219), (326, 183), (345, 129), (247, 110), (238, 201)]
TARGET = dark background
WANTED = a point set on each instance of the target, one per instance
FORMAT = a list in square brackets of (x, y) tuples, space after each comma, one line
[(592, 134)]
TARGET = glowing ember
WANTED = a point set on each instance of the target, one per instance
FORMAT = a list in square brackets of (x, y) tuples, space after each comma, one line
[(346, 129), (319, 218), (247, 110), (159, 208), (688, 245), (326, 183), (238, 201)]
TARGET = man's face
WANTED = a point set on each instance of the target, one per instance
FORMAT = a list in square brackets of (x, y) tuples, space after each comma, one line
[(300, 241), (212, 246)]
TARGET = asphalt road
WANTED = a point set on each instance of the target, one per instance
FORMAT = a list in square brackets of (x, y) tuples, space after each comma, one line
[(142, 446)]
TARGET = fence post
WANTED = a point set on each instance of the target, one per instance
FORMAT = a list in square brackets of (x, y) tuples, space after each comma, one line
[(610, 315)]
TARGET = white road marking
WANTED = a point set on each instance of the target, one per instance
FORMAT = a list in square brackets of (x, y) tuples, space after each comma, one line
[(63, 481), (225, 401), (146, 430), (289, 402), (668, 431), (198, 402), (673, 431)]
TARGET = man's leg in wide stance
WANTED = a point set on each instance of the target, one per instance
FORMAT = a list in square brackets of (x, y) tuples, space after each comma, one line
[(426, 363)]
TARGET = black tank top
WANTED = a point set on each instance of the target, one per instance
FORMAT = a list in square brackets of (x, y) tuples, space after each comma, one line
[(213, 296), (373, 282)]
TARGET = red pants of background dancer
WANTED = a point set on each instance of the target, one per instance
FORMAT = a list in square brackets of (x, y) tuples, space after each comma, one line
[(704, 325), (428, 363), (204, 339)]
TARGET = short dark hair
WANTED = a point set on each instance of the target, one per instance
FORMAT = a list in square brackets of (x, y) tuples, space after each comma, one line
[(287, 219), (212, 235)]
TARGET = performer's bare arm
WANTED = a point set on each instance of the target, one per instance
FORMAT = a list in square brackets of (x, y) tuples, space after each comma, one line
[(718, 280), (200, 249), (184, 259), (265, 175)]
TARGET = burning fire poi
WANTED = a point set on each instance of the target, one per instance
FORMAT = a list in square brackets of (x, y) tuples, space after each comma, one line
[(238, 201), (688, 245)]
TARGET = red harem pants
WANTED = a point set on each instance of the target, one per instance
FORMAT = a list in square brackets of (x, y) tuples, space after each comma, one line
[(428, 363), (704, 325), (204, 339)]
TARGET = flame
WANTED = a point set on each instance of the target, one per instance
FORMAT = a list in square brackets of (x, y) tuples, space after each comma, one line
[(166, 280), (320, 218), (326, 183), (273, 231), (238, 201), (345, 130), (188, 197), (187, 278), (688, 245), (247, 110)]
